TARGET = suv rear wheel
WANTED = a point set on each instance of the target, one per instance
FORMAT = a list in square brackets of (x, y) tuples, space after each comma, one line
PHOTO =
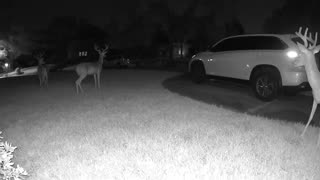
[(198, 73), (266, 84)]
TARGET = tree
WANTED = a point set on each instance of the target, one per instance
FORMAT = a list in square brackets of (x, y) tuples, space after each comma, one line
[(60, 32), (234, 27), (17, 42), (157, 23), (160, 36), (89, 31), (62, 28), (293, 14)]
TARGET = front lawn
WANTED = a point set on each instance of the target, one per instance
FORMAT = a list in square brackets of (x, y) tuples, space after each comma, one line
[(133, 128)]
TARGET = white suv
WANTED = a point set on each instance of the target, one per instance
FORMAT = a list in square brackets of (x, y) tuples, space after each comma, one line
[(266, 60)]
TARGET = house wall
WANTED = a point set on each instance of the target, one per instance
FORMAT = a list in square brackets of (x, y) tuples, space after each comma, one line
[(180, 50)]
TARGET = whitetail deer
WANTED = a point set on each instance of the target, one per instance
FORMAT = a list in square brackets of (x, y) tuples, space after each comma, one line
[(42, 70), (308, 60), (91, 68)]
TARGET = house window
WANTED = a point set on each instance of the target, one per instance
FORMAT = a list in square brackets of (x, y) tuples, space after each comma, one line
[(83, 53)]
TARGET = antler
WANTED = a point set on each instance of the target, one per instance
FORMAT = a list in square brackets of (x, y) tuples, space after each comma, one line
[(100, 51), (39, 55), (96, 47), (305, 38), (106, 48)]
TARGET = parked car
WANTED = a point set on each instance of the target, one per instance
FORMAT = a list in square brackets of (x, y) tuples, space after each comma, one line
[(117, 58), (265, 60), (117, 61)]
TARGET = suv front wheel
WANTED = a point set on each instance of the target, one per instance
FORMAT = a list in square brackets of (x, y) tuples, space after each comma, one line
[(266, 85), (198, 73)]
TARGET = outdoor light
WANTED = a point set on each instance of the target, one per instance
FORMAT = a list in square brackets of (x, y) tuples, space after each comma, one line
[(292, 54), (6, 65)]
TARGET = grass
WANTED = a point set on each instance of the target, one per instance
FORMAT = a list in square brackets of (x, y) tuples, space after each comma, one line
[(133, 128)]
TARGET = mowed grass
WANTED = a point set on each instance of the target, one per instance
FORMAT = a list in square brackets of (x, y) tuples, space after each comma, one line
[(133, 128)]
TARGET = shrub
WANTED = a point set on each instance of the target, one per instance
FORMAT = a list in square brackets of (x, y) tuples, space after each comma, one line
[(7, 171)]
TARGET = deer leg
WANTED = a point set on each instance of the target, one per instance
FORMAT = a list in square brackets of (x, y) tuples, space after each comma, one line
[(95, 80), (46, 80), (318, 141), (40, 80), (77, 87), (98, 79), (314, 107), (78, 83)]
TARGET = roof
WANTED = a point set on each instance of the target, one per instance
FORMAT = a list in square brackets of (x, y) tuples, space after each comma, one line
[(275, 35)]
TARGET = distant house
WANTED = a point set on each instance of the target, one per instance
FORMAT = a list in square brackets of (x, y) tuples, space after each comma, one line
[(180, 50), (81, 48), (174, 50)]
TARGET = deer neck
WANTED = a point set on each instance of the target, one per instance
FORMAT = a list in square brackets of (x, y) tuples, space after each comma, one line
[(313, 73), (100, 60)]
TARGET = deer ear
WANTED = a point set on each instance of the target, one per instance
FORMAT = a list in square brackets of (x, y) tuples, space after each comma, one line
[(316, 49)]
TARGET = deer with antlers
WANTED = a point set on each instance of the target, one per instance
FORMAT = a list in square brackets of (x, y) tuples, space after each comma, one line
[(308, 60), (91, 68), (42, 70)]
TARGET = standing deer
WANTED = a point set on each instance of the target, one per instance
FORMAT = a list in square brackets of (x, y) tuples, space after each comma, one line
[(308, 60), (42, 70), (91, 68)]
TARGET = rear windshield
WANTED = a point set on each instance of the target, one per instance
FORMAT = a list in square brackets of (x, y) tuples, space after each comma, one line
[(298, 40)]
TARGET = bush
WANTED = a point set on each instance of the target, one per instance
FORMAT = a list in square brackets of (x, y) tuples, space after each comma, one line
[(24, 61), (7, 171)]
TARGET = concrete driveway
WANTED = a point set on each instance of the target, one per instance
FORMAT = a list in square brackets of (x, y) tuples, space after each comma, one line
[(239, 97)]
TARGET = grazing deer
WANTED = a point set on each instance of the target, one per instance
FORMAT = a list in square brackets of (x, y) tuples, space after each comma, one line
[(42, 70), (91, 68), (308, 60)]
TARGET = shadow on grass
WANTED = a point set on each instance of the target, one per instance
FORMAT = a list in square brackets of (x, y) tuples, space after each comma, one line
[(238, 96)]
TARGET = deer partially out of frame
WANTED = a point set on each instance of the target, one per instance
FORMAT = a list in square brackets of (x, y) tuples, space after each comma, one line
[(42, 70), (91, 68), (308, 60)]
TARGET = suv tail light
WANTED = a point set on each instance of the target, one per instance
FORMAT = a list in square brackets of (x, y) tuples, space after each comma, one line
[(292, 54)]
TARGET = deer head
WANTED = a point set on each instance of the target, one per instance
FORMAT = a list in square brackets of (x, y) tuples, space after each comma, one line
[(40, 58), (102, 52), (309, 49)]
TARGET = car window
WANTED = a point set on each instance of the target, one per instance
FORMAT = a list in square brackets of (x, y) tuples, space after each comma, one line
[(298, 40), (227, 45), (268, 43), (250, 43)]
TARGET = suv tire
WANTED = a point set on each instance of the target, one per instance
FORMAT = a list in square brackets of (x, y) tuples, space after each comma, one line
[(198, 73), (266, 84)]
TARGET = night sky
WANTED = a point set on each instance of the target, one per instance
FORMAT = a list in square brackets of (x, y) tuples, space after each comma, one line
[(37, 13)]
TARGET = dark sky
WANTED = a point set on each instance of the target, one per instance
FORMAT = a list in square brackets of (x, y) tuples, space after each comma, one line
[(37, 13)]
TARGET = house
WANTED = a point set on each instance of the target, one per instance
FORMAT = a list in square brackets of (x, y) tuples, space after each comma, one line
[(81, 49), (180, 50)]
